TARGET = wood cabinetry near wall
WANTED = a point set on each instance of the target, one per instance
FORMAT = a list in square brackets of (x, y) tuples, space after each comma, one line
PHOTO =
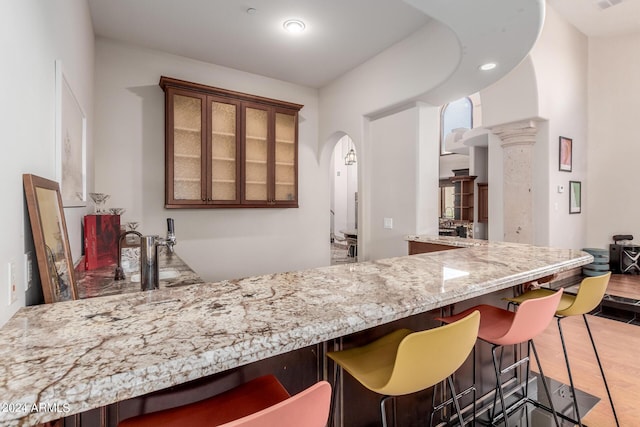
[(228, 149), (483, 202), (463, 197)]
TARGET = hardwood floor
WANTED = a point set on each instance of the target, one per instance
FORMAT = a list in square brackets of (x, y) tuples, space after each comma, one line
[(625, 285), (618, 345)]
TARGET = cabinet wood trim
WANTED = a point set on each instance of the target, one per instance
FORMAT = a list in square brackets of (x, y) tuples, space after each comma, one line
[(211, 90), (209, 94)]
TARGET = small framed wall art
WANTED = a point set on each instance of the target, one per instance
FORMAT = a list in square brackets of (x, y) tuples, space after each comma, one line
[(71, 141), (566, 153), (575, 197)]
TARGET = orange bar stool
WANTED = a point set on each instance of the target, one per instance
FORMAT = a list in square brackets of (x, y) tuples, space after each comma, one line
[(588, 297), (262, 402), (405, 362), (500, 328)]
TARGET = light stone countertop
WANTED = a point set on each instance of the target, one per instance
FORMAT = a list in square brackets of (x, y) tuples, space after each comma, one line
[(447, 240), (100, 282), (89, 353)]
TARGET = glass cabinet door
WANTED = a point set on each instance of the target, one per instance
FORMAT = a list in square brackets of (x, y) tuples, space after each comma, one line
[(187, 148), (226, 149), (285, 157), (256, 172), (224, 152)]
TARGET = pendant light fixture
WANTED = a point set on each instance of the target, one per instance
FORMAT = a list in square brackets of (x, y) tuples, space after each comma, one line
[(350, 158)]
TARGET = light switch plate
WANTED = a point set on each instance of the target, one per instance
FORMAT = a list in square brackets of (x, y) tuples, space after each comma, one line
[(388, 223)]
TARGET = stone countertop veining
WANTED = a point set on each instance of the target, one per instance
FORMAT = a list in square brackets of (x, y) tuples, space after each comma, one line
[(89, 353), (100, 282)]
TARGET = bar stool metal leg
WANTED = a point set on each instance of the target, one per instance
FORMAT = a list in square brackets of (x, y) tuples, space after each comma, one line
[(498, 364), (499, 388), (566, 360), (383, 412), (337, 370), (595, 350), (543, 378), (433, 404), (456, 404)]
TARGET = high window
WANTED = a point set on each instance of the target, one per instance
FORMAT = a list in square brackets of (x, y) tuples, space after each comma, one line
[(456, 114)]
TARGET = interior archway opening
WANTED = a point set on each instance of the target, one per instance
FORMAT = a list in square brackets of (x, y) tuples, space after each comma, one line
[(344, 207)]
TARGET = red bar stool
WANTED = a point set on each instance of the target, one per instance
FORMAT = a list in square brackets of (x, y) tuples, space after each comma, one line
[(262, 402), (502, 327), (588, 297)]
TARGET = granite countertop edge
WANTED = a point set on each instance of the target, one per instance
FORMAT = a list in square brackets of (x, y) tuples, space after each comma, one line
[(192, 331)]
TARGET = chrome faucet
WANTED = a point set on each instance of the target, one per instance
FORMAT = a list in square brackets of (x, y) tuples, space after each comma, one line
[(149, 266), (119, 271)]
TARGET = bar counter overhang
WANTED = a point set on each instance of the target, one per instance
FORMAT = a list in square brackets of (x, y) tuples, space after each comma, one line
[(95, 352)]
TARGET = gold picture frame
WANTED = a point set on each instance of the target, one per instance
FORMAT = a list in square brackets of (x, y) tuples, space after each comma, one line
[(50, 239)]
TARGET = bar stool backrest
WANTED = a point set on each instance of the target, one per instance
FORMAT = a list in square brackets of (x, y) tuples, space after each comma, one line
[(532, 317), (427, 357), (309, 408), (590, 294)]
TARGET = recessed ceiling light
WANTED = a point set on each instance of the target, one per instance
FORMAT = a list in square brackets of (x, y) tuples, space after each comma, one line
[(294, 25), (488, 66), (252, 11)]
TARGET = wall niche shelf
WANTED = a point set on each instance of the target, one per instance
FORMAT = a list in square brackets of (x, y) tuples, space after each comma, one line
[(226, 149), (463, 197)]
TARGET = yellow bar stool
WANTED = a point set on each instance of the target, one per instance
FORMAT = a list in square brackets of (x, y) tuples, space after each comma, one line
[(588, 297), (405, 362)]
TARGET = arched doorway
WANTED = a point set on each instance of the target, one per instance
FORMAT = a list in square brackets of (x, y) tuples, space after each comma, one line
[(344, 201)]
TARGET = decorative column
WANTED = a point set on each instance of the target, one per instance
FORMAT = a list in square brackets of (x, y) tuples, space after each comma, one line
[(517, 141)]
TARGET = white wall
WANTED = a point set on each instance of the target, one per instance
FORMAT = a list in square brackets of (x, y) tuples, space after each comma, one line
[(33, 34), (512, 98), (550, 88), (612, 203), (478, 167), (428, 208), (451, 162), (404, 179), (393, 79), (560, 61), (495, 174), (217, 243), (393, 184)]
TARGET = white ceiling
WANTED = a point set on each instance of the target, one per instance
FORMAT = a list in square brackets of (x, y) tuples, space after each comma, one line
[(586, 16), (340, 34)]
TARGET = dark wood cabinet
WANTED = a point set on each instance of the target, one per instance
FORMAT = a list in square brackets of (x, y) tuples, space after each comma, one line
[(463, 197), (483, 202), (228, 149)]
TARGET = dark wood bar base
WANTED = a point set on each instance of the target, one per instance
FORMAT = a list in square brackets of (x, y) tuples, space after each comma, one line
[(423, 247)]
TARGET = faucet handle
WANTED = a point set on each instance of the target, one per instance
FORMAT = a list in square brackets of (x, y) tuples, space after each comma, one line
[(171, 235), (170, 227)]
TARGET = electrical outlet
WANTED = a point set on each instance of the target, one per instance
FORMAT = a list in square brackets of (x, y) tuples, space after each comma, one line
[(28, 270), (11, 282)]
